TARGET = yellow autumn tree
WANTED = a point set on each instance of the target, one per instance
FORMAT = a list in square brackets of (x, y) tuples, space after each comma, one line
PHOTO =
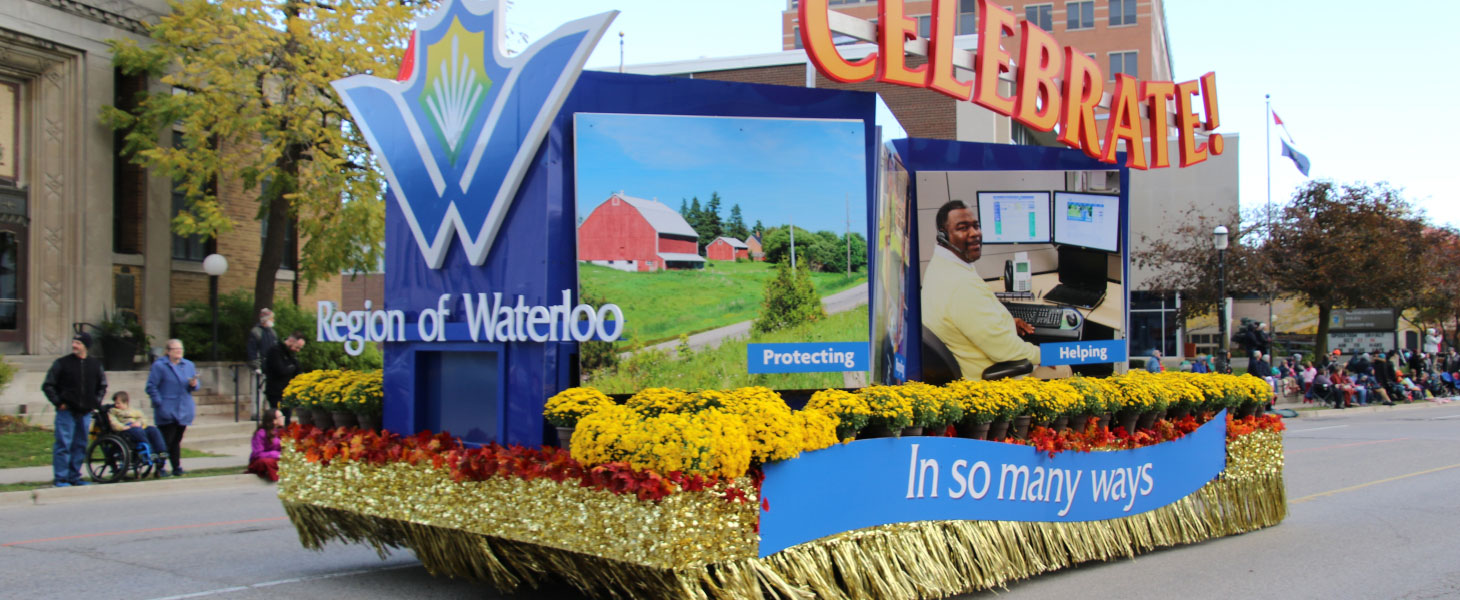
[(246, 84)]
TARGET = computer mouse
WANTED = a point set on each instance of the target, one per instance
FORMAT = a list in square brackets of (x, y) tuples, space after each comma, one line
[(1072, 318)]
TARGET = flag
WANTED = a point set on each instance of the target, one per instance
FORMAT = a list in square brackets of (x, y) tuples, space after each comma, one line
[(1299, 160), (1279, 122)]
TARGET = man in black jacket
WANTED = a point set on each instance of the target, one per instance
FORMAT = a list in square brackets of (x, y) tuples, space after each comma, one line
[(76, 386), (281, 364)]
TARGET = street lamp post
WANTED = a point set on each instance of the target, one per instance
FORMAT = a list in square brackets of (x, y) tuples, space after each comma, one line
[(1219, 241), (214, 265)]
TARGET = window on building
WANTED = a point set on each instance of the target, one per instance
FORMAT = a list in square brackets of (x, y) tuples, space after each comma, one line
[(1124, 62), (291, 239), (129, 181), (925, 26), (967, 17), (796, 37), (1080, 15), (1041, 15), (1122, 12), (1153, 323), (190, 247)]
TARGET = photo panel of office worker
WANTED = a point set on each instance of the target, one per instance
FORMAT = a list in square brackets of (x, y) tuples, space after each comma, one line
[(1021, 273)]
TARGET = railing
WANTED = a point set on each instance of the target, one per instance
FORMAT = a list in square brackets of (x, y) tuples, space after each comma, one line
[(247, 381)]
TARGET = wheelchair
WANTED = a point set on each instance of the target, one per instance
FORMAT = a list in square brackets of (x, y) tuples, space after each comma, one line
[(113, 456)]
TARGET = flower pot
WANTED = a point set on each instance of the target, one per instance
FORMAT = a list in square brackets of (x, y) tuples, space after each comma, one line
[(344, 419), (370, 422), (1146, 420), (1021, 427), (998, 430), (565, 438), (912, 431), (875, 431), (303, 416), (1177, 413), (1060, 423), (1245, 410), (1102, 421), (1081, 422), (1261, 410), (322, 418), (1127, 419), (973, 431)]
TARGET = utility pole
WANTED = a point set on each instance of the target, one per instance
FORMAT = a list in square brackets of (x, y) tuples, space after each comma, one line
[(847, 201), (792, 220), (621, 52)]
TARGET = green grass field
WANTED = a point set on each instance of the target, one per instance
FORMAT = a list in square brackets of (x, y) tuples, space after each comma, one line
[(724, 367), (660, 306), (32, 448)]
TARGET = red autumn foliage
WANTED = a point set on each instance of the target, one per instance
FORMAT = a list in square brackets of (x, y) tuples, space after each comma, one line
[(442, 451), (1047, 440)]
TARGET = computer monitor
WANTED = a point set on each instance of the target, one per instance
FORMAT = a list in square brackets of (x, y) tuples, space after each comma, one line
[(1087, 220), (1014, 217)]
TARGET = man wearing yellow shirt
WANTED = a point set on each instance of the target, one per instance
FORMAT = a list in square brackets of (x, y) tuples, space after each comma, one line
[(962, 311)]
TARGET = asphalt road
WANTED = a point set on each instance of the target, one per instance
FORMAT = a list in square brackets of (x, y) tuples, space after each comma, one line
[(1374, 513)]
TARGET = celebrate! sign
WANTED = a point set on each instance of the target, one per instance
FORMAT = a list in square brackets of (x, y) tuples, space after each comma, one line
[(1054, 86)]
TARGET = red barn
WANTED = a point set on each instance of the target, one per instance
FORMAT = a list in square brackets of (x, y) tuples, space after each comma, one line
[(752, 244), (726, 248), (633, 234)]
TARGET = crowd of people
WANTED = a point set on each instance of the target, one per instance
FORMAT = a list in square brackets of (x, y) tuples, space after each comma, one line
[(76, 385), (1360, 379)]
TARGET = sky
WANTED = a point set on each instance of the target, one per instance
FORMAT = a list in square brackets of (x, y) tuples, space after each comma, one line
[(776, 170), (1363, 87)]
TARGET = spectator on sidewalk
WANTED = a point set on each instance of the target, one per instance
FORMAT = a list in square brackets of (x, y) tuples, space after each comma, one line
[(76, 386), (1432, 341), (263, 458), (131, 422), (1153, 364), (260, 339), (1349, 388), (1258, 366), (281, 364), (170, 385)]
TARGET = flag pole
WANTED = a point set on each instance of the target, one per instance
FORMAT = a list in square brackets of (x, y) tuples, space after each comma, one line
[(1271, 294)]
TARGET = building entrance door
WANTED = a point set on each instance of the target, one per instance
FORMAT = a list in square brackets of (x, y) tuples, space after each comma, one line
[(12, 288)]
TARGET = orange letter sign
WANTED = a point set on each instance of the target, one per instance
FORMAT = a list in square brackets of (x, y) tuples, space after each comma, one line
[(1082, 89), (816, 37), (940, 51), (992, 59), (1040, 62)]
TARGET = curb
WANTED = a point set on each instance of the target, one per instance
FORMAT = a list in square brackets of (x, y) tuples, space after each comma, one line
[(52, 495), (1359, 410)]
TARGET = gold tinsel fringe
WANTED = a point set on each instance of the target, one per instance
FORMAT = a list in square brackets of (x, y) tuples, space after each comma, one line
[(930, 559), (512, 533)]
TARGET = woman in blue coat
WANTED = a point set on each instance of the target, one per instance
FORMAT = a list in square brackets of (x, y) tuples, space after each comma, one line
[(170, 386)]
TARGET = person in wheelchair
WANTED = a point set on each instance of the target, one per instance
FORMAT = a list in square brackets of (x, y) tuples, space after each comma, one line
[(132, 423)]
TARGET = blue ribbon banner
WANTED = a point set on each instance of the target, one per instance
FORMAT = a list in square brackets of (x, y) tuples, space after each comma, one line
[(814, 357), (897, 480), (1082, 353)]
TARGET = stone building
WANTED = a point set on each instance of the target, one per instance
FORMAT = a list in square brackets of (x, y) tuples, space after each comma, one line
[(82, 231)]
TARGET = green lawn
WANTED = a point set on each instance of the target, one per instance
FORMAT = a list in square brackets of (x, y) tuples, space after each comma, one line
[(661, 305), (724, 367), (32, 448)]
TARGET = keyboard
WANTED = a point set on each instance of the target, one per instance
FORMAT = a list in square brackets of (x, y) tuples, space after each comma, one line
[(1064, 294), (1051, 323)]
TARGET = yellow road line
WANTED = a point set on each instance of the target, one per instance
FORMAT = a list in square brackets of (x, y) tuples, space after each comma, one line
[(1364, 485)]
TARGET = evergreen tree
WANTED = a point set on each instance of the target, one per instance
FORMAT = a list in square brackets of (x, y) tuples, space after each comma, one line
[(736, 227), (790, 300), (713, 227)]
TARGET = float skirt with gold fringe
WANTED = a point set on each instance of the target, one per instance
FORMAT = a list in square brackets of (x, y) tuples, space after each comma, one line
[(511, 532)]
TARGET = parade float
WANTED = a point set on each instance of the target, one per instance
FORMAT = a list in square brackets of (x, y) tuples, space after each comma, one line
[(547, 415)]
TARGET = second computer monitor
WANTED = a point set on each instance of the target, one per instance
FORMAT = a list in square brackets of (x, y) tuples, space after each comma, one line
[(1014, 217), (1087, 220)]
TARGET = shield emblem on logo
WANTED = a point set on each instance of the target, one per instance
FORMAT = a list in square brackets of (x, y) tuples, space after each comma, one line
[(455, 138)]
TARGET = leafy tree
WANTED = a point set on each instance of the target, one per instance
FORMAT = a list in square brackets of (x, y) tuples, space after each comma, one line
[(247, 89), (777, 244), (790, 300), (1437, 296), (736, 227), (1184, 261), (1348, 246)]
